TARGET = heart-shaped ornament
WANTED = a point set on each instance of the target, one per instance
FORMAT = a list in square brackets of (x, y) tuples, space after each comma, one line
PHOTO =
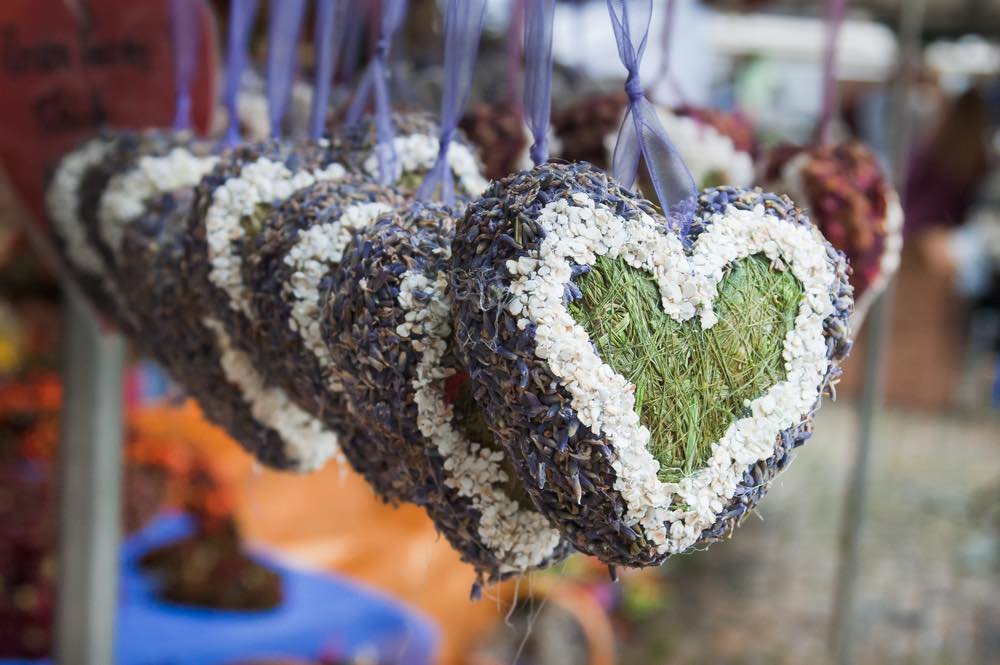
[(231, 203), (854, 205), (90, 196), (287, 266), (648, 387), (387, 322)]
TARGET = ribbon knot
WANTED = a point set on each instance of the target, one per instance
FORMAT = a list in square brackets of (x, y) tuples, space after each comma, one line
[(641, 134), (633, 87), (382, 47), (447, 134), (539, 151)]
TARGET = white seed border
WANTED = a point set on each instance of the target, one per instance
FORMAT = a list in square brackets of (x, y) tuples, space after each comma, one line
[(310, 258), (673, 515), (62, 202), (519, 538), (263, 181), (306, 439), (124, 200)]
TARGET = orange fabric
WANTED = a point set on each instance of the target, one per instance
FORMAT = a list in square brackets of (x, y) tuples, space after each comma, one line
[(332, 520)]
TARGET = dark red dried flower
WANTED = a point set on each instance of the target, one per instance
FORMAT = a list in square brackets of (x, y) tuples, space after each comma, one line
[(848, 197), (583, 127), (498, 131)]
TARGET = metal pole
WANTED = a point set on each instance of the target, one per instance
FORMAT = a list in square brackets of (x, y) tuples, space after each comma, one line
[(845, 591), (842, 636), (90, 452)]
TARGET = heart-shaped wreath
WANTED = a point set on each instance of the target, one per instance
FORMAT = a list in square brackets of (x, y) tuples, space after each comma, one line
[(388, 326), (551, 255), (286, 268)]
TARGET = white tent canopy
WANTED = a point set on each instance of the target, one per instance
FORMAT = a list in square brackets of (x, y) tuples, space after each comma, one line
[(867, 50)]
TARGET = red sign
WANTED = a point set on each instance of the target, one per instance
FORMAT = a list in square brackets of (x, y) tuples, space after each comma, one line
[(71, 67)]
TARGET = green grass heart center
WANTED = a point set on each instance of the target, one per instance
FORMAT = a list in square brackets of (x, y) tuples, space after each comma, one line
[(254, 222), (691, 384)]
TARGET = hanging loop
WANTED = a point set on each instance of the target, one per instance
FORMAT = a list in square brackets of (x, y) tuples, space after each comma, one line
[(641, 134), (538, 75), (241, 19), (836, 10), (185, 25), (331, 26), (285, 24), (515, 51), (375, 83), (462, 28), (663, 75)]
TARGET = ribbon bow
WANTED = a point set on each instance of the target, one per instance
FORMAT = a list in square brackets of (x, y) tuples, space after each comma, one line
[(641, 134), (462, 27), (375, 81)]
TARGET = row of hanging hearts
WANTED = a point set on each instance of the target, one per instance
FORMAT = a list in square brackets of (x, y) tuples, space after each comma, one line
[(319, 305)]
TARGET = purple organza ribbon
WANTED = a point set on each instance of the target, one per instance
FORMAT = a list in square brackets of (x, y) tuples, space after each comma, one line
[(462, 27), (375, 83), (241, 17), (185, 26), (836, 10), (283, 39), (538, 75), (330, 28), (641, 134)]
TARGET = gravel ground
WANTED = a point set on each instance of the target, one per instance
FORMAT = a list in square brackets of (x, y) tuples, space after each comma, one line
[(929, 589)]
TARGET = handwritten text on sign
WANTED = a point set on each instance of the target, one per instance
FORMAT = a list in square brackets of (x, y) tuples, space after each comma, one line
[(71, 67)]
